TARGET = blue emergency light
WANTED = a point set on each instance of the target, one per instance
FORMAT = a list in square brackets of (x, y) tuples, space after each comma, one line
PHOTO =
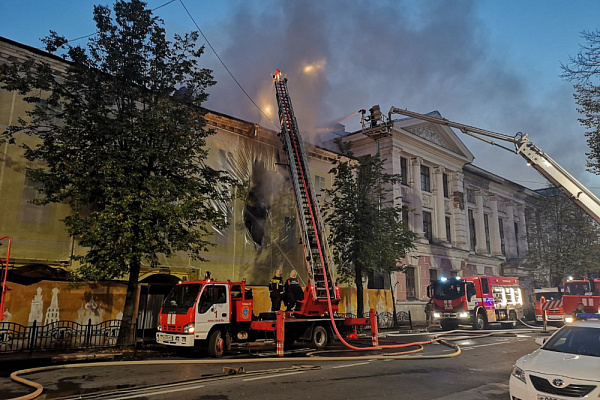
[(584, 316)]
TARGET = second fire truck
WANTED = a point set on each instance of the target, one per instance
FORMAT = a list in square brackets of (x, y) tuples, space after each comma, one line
[(476, 301)]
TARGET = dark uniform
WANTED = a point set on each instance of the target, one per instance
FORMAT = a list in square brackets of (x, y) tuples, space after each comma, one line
[(276, 292), (293, 293)]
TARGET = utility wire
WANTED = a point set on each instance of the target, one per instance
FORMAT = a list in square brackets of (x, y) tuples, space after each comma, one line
[(225, 66)]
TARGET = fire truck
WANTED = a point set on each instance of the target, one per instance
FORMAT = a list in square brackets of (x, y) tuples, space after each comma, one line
[(581, 291), (476, 301), (212, 314), (549, 299)]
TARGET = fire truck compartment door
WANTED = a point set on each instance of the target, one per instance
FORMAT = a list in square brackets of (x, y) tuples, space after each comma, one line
[(213, 309)]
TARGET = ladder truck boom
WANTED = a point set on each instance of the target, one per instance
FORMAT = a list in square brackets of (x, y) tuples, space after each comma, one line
[(314, 240), (535, 157)]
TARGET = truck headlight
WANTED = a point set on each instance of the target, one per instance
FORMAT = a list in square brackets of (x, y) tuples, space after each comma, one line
[(463, 314), (189, 328), (436, 315), (569, 320), (159, 327), (518, 373)]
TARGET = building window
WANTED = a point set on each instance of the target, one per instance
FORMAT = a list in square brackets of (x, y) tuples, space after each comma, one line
[(403, 171), (30, 213), (425, 179), (427, 226), (517, 238), (486, 225), (445, 185), (473, 237), (502, 245), (448, 229), (319, 184), (433, 275), (411, 291), (405, 216)]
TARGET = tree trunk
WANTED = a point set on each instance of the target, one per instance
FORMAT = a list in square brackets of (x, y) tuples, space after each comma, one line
[(126, 336), (360, 307)]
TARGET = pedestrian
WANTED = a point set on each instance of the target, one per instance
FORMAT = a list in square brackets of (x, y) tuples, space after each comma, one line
[(207, 277), (276, 290), (293, 292)]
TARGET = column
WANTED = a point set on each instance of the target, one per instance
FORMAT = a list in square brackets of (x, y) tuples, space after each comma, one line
[(480, 247), (494, 227), (523, 246), (459, 211), (440, 212), (417, 203), (509, 233)]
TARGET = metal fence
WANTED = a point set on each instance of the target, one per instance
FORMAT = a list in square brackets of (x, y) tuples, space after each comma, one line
[(386, 319), (61, 335)]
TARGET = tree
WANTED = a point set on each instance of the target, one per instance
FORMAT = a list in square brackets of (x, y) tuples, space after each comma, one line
[(367, 232), (584, 69), (122, 136), (563, 240)]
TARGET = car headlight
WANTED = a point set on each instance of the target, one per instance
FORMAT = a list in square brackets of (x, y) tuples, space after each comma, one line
[(569, 320), (159, 327), (463, 314), (436, 315), (518, 373), (189, 328)]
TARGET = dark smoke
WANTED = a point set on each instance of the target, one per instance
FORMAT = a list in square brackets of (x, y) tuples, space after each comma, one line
[(420, 55)]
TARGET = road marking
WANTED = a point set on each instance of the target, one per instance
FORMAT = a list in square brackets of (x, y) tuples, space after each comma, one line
[(352, 365), (145, 394), (273, 376)]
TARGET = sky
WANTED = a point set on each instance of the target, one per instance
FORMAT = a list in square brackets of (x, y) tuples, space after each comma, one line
[(495, 65)]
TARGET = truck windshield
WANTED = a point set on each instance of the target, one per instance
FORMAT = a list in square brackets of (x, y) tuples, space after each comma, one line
[(548, 295), (575, 340), (577, 288), (182, 296), (448, 290)]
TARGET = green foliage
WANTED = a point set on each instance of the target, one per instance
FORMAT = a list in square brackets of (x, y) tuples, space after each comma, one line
[(563, 240), (584, 69), (122, 137), (367, 232)]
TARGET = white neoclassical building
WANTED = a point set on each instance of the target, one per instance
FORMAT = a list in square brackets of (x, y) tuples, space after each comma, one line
[(468, 221)]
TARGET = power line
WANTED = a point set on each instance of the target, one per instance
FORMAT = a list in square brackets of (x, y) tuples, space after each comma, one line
[(225, 66)]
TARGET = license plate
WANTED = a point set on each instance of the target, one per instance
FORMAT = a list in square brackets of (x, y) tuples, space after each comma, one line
[(544, 397)]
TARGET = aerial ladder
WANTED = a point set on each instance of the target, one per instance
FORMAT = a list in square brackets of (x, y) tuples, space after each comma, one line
[(535, 157), (314, 240)]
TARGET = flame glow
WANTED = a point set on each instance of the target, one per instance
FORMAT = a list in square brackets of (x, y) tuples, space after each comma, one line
[(314, 67)]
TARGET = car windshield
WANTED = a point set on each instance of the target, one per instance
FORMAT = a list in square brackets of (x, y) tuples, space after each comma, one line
[(579, 340), (549, 296), (182, 296), (449, 290), (577, 288)]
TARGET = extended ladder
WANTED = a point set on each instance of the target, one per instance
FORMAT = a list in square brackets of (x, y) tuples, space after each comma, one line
[(314, 238)]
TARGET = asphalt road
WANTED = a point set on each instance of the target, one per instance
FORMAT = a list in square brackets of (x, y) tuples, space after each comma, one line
[(481, 372)]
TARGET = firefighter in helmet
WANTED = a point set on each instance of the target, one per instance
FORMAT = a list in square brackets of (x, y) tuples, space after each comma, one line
[(276, 290), (293, 292)]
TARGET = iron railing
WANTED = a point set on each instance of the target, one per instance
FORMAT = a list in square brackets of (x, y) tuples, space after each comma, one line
[(386, 319), (62, 335)]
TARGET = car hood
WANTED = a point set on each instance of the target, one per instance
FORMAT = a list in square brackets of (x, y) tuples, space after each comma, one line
[(567, 365)]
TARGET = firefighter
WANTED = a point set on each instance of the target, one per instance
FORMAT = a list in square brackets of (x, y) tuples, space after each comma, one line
[(276, 291), (292, 292), (578, 310), (207, 276)]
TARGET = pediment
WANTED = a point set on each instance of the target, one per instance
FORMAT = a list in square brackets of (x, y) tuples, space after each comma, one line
[(438, 135)]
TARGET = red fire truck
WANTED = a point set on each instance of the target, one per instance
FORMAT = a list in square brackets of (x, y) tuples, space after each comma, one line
[(212, 314), (476, 300), (552, 298), (584, 291)]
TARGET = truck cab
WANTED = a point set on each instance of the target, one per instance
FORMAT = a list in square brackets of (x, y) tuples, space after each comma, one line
[(555, 312)]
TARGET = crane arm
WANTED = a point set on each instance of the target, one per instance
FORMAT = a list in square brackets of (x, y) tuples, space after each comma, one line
[(535, 157)]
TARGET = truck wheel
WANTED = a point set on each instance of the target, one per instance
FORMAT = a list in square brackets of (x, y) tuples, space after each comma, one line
[(448, 325), (479, 323), (216, 344), (319, 337)]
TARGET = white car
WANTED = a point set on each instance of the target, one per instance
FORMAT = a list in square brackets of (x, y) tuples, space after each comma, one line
[(566, 367)]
